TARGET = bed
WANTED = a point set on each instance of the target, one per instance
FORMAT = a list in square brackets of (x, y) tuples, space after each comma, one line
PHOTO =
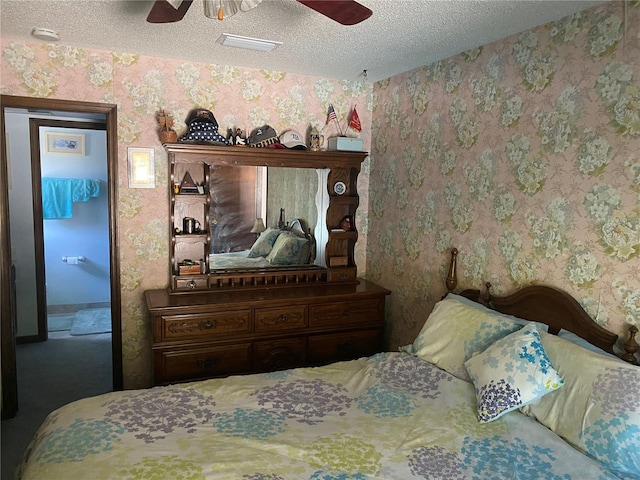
[(275, 247), (479, 394)]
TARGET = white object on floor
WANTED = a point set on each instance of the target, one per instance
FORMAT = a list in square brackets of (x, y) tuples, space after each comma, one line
[(91, 320), (59, 323)]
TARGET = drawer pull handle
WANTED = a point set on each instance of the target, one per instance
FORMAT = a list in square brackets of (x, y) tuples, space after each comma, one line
[(208, 325), (191, 284), (344, 276), (209, 362), (280, 358), (281, 319), (346, 312)]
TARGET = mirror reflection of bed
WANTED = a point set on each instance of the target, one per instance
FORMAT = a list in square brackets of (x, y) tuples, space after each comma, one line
[(242, 194)]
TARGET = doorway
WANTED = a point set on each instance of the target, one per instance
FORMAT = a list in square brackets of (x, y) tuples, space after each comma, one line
[(8, 288), (71, 227)]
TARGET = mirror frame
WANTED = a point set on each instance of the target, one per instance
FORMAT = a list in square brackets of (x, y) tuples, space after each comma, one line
[(321, 161)]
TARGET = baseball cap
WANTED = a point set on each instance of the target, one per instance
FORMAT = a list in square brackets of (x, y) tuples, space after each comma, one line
[(293, 139), (264, 137)]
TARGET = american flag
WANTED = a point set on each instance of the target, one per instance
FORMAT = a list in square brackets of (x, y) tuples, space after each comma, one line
[(332, 114)]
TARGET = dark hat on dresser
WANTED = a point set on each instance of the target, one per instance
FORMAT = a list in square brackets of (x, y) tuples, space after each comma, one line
[(203, 128)]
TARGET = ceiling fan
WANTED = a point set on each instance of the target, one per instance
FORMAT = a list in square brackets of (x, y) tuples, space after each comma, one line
[(346, 12)]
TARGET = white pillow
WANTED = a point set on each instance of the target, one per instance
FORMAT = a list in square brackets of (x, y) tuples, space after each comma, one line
[(598, 408), (454, 332), (512, 372)]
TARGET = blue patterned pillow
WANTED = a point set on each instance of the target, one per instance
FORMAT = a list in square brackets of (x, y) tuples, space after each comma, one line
[(263, 245), (512, 372), (455, 332), (286, 250), (598, 408)]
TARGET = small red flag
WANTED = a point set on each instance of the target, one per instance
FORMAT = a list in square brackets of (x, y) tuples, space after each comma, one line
[(354, 123)]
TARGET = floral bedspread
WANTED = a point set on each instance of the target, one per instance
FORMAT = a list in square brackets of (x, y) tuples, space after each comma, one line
[(390, 416)]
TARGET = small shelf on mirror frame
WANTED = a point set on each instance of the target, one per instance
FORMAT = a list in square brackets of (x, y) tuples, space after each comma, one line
[(340, 234), (202, 237), (191, 196)]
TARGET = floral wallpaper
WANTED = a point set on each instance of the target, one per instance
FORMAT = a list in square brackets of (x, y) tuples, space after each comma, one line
[(141, 86), (525, 155)]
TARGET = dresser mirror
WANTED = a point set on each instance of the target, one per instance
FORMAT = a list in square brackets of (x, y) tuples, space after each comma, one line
[(283, 198), (221, 198)]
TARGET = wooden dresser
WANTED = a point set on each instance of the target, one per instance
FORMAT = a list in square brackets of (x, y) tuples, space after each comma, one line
[(215, 321), (220, 333)]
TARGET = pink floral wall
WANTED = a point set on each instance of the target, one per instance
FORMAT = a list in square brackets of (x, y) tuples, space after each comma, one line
[(141, 86), (525, 155)]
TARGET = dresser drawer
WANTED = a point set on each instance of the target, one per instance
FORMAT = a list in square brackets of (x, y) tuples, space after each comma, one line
[(343, 346), (202, 326), (270, 355), (191, 282), (347, 313), (280, 318), (342, 274), (198, 363)]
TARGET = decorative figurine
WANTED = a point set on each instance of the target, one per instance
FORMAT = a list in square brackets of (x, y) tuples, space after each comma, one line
[(315, 140), (240, 138), (236, 137), (346, 223), (167, 134)]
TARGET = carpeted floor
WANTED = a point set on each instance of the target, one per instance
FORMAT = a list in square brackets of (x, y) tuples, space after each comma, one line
[(51, 374)]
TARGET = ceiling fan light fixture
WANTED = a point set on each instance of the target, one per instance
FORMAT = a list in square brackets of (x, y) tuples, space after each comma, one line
[(240, 41), (221, 9)]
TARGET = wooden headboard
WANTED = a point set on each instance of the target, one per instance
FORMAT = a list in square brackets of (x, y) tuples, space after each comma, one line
[(548, 305)]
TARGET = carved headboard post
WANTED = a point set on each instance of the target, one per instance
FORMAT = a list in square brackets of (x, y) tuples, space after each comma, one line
[(631, 346), (452, 276)]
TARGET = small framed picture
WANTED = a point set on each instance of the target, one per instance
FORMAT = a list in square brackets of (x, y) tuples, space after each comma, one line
[(142, 172), (61, 143)]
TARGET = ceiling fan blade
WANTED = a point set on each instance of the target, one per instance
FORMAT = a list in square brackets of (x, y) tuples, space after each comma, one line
[(346, 12), (163, 12)]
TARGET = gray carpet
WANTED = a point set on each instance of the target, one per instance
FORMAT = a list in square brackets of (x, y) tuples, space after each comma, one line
[(52, 374), (91, 321)]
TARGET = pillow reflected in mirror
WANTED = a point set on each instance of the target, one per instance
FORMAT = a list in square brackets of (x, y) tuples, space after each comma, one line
[(288, 250), (265, 242)]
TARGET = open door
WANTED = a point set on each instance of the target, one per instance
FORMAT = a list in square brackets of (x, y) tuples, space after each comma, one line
[(9, 378), (7, 294)]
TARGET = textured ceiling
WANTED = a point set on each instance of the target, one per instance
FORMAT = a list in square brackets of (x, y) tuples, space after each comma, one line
[(399, 36)]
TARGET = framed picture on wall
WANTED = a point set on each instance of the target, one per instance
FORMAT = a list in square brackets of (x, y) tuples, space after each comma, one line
[(142, 173), (60, 143)]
